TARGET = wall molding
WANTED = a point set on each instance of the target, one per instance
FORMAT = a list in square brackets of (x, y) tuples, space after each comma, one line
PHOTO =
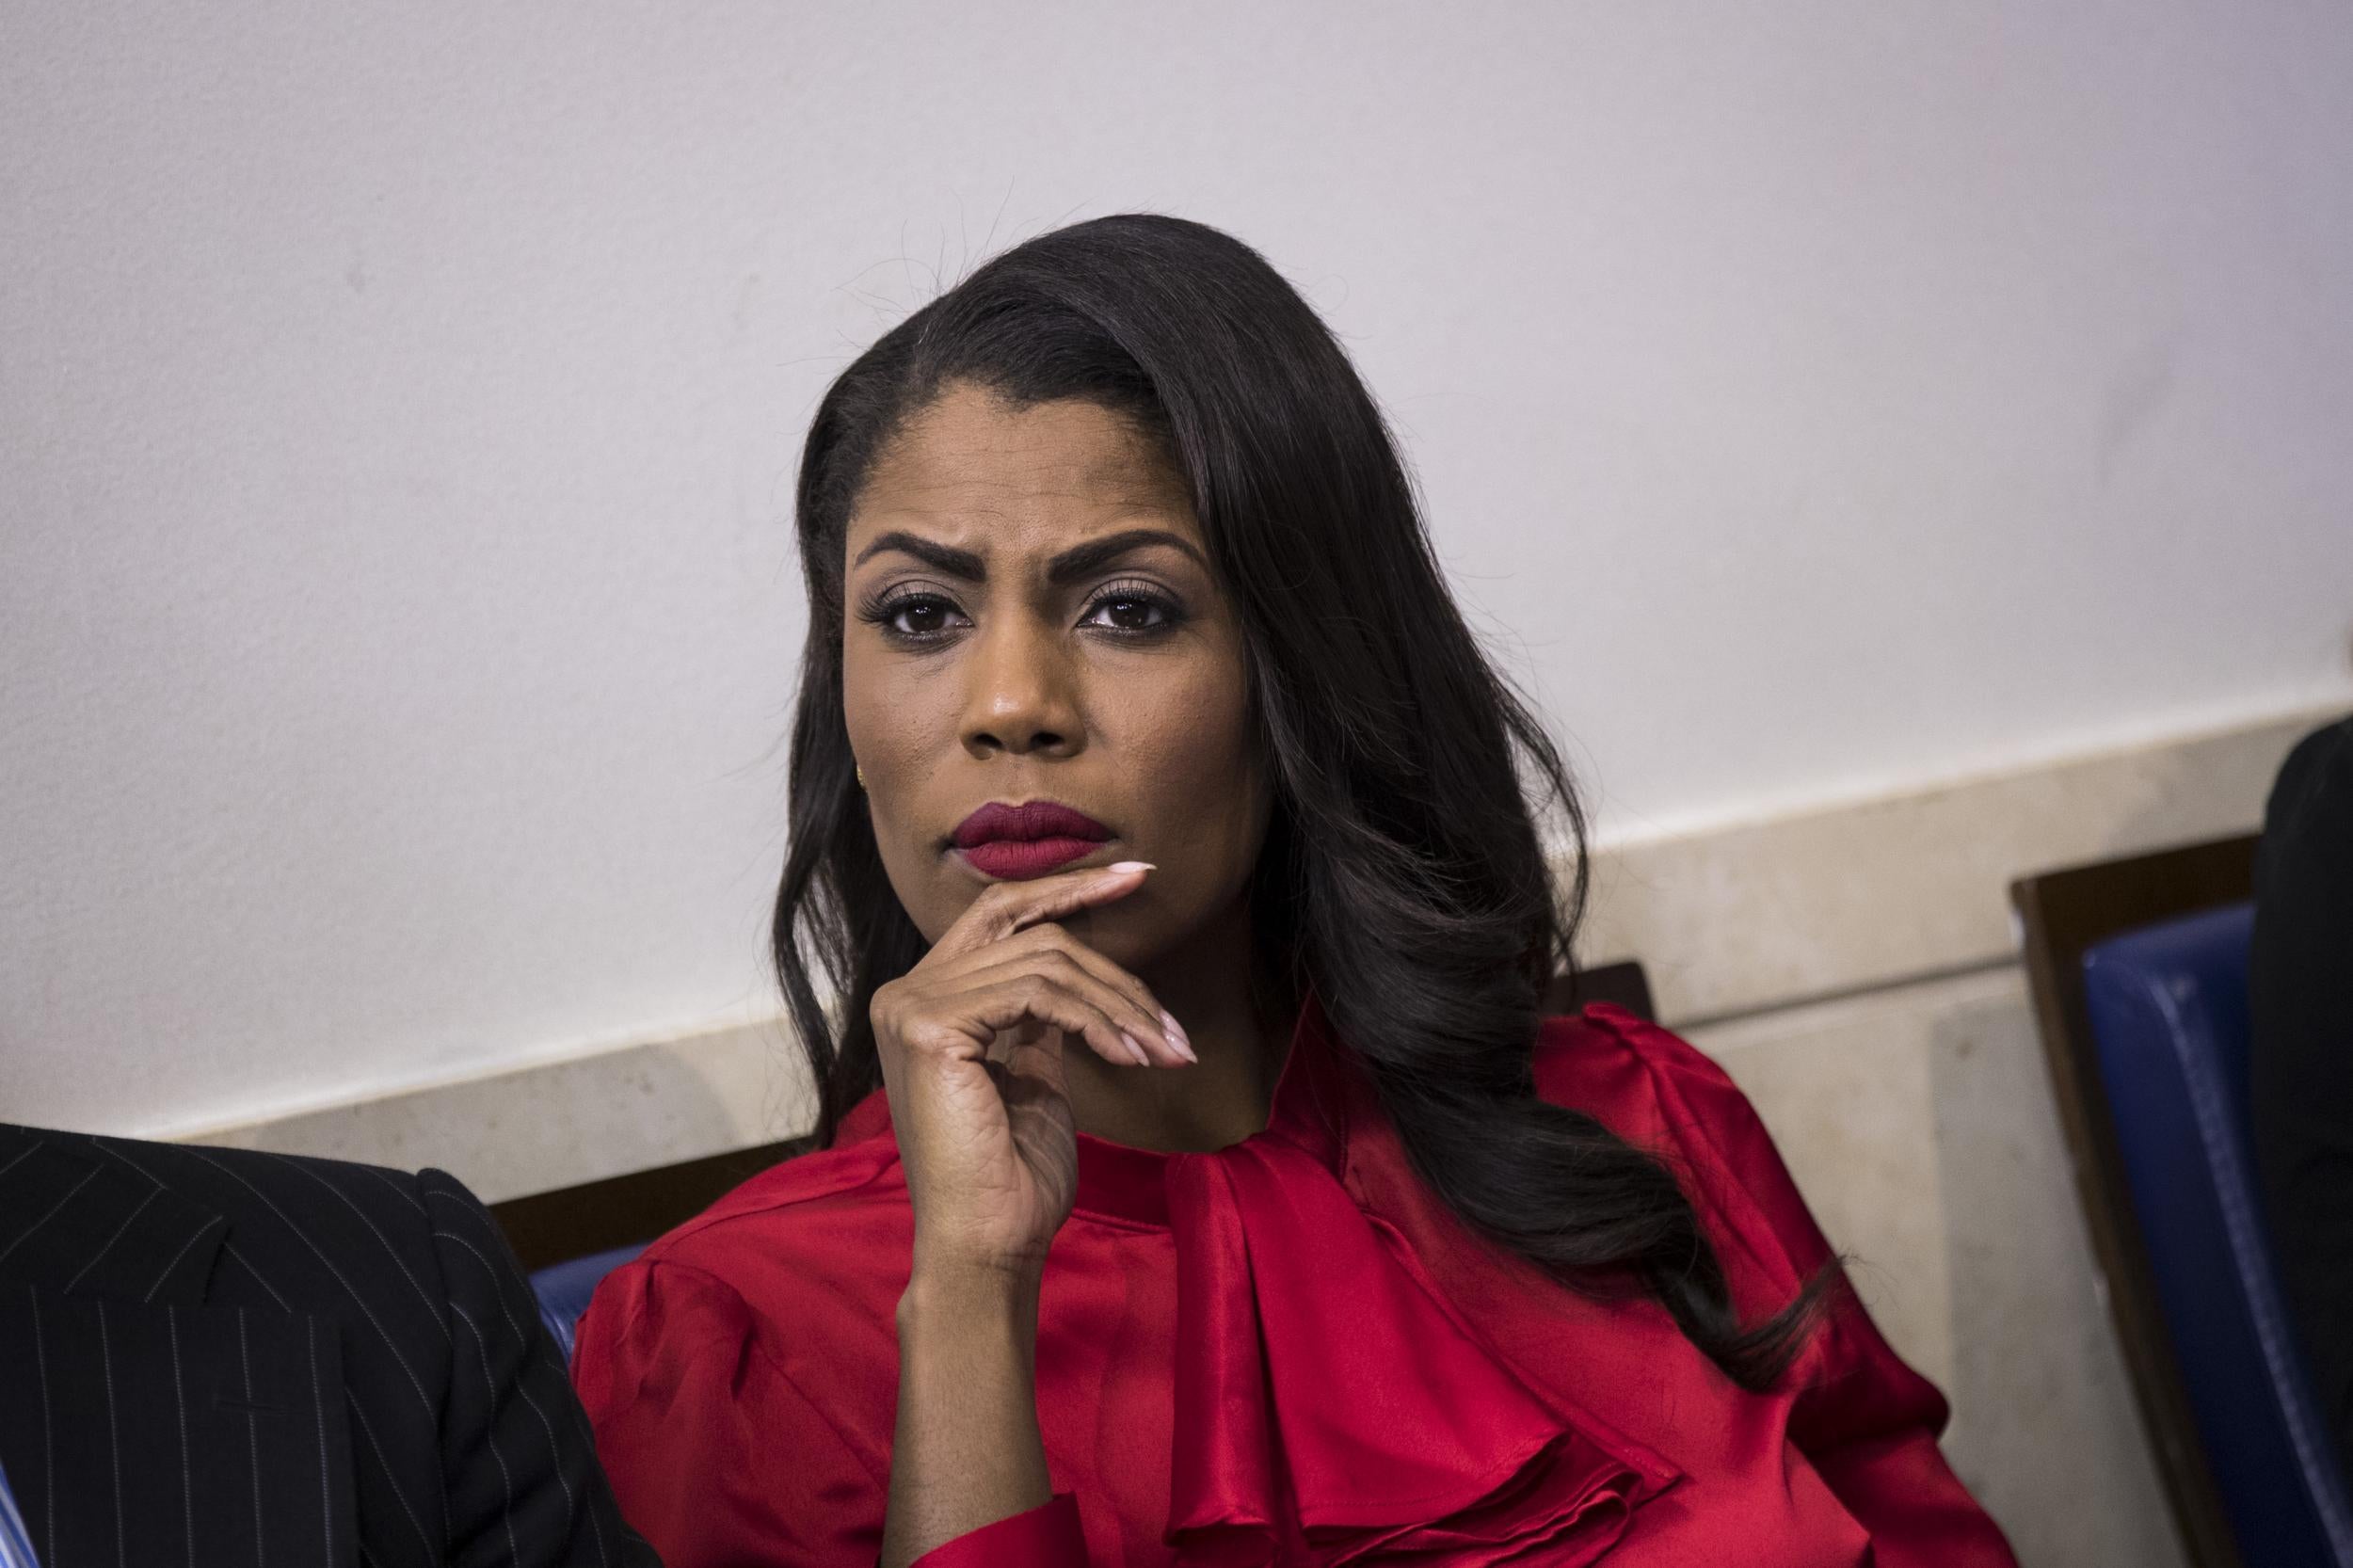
[(1730, 921), (1865, 894)]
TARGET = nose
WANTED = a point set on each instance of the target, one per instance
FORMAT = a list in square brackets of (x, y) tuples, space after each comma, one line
[(1020, 694)]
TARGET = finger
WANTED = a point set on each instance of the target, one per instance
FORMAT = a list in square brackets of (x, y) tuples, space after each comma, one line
[(1114, 989), (1025, 994), (944, 1081), (1132, 1019), (1038, 1119), (939, 1081), (1033, 1064), (1005, 908), (1053, 935)]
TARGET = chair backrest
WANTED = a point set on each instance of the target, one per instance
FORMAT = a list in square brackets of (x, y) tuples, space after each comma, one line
[(2168, 1009), (630, 1209), (2064, 914), (1622, 981), (564, 1289)]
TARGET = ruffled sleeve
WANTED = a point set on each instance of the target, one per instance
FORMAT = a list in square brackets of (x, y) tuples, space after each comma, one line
[(721, 1461), (1867, 1422), (717, 1458), (1046, 1536)]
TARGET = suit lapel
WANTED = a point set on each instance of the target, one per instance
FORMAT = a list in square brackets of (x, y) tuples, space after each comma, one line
[(146, 1425)]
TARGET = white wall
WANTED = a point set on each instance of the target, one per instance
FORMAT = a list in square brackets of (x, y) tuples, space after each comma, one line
[(397, 611)]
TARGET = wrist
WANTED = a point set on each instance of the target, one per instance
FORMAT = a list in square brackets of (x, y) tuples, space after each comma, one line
[(977, 1280), (966, 1449), (970, 1299)]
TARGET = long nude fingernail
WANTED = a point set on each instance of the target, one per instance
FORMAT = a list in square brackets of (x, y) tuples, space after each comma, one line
[(1176, 1035), (1132, 866), (1137, 1051)]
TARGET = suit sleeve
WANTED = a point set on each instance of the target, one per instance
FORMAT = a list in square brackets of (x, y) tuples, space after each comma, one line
[(519, 1463), (1865, 1420), (2299, 1077)]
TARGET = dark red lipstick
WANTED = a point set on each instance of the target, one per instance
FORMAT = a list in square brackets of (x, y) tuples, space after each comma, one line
[(1016, 842)]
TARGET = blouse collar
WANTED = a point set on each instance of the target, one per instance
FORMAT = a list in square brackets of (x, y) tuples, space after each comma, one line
[(1308, 1111)]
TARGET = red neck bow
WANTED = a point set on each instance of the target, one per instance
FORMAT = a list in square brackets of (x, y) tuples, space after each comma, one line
[(1331, 1404)]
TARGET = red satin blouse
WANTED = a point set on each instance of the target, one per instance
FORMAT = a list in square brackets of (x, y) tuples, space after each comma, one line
[(1284, 1352)]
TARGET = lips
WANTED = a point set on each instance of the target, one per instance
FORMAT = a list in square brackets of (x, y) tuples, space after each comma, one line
[(1016, 842)]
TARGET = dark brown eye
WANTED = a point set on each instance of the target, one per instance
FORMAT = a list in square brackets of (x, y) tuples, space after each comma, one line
[(1132, 610), (922, 612)]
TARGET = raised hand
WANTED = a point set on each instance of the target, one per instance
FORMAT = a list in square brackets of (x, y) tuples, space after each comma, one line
[(988, 1142)]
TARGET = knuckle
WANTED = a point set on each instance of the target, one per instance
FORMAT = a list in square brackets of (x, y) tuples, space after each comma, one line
[(984, 916), (926, 1038)]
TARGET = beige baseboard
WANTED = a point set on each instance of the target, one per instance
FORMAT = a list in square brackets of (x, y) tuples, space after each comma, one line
[(1825, 902)]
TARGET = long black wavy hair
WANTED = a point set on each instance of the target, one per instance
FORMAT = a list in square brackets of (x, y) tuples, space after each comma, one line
[(1404, 873)]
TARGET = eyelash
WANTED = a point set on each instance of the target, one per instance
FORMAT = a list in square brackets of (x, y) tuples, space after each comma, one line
[(882, 612)]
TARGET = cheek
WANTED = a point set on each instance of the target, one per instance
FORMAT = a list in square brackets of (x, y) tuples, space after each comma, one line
[(892, 721), (888, 735), (1197, 771), (864, 694)]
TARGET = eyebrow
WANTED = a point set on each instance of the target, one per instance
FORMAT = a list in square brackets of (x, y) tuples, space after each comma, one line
[(1072, 564)]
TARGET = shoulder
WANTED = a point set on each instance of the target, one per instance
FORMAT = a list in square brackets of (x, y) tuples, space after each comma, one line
[(2314, 788), (773, 1310), (346, 1243), (826, 1234), (1644, 1081), (245, 1181), (2305, 850), (2325, 754), (411, 1252), (401, 1258), (1657, 1090), (338, 1214), (797, 1203)]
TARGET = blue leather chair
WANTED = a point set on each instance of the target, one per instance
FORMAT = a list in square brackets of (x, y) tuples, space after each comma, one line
[(564, 1289), (2167, 1008)]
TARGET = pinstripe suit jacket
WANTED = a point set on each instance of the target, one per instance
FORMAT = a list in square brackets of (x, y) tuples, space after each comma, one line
[(220, 1356)]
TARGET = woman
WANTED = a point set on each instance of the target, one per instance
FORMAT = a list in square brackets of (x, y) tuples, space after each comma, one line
[(1200, 1181)]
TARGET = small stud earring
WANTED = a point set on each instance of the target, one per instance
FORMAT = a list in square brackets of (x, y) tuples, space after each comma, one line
[(861, 778)]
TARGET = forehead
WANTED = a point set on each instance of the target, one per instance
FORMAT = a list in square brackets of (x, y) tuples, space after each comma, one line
[(974, 469)]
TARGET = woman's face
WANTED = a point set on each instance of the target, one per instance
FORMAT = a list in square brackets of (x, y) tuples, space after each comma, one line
[(1031, 616)]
